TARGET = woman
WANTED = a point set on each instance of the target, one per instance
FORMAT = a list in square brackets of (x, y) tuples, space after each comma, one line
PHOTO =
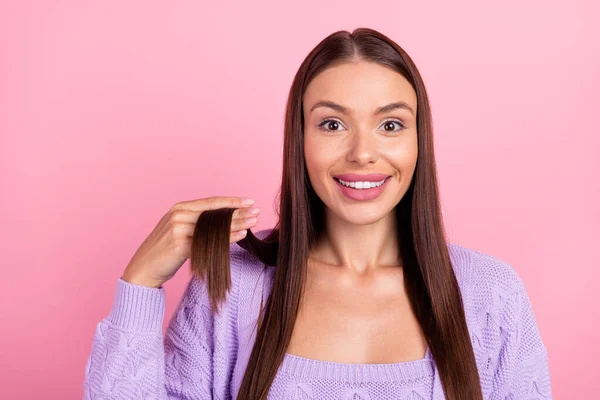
[(355, 294)]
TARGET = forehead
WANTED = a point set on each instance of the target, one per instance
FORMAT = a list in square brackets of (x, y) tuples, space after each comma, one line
[(361, 86)]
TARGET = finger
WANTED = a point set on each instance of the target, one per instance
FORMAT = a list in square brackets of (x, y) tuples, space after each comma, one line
[(213, 203), (184, 216), (243, 223), (237, 236), (246, 212)]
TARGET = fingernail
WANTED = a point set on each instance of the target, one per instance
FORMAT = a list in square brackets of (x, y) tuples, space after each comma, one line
[(254, 210), (247, 202)]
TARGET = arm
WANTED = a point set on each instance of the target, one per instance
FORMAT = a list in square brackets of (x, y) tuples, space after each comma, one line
[(522, 370), (130, 358)]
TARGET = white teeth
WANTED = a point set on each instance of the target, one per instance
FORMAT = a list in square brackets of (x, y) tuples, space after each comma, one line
[(361, 185)]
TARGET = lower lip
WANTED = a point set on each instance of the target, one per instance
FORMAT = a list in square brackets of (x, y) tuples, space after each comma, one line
[(362, 194)]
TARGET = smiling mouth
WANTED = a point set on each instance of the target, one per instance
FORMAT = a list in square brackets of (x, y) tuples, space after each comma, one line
[(380, 183)]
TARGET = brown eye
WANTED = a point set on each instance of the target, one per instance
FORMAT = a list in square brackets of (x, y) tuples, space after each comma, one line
[(329, 125), (390, 124), (333, 125)]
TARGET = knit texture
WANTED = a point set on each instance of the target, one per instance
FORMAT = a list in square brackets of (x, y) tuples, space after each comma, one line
[(201, 356)]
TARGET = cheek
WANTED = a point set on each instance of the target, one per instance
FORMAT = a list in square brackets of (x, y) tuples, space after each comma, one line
[(404, 153), (318, 156)]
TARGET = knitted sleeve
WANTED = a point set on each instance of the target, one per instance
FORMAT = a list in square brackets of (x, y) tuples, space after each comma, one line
[(132, 359), (522, 369)]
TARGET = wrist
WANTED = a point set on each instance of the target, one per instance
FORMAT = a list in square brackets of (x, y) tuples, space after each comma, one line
[(140, 279)]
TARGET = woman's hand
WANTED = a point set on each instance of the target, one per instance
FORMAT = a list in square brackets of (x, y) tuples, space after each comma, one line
[(168, 246)]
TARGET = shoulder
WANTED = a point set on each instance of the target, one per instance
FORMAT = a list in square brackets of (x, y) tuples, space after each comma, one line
[(493, 292), (490, 286), (241, 304), (479, 273), (508, 346)]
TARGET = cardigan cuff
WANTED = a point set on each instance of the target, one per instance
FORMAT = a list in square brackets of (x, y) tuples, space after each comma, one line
[(137, 307)]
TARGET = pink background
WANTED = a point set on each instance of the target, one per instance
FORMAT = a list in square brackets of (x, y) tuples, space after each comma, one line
[(110, 112)]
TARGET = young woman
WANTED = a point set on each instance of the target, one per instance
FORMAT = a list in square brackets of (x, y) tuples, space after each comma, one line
[(355, 294)]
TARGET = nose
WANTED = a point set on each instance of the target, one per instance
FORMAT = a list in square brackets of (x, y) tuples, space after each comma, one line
[(363, 148)]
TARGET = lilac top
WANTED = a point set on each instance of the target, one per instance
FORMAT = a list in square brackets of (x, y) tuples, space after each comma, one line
[(204, 357)]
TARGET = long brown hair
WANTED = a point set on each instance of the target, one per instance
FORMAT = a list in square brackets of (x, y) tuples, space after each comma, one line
[(432, 287)]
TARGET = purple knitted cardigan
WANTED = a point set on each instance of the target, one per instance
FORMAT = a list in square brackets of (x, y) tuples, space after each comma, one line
[(201, 356)]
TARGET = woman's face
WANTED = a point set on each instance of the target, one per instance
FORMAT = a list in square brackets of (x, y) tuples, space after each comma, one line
[(347, 136)]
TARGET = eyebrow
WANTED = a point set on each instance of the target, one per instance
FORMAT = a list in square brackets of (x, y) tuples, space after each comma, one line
[(380, 110)]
